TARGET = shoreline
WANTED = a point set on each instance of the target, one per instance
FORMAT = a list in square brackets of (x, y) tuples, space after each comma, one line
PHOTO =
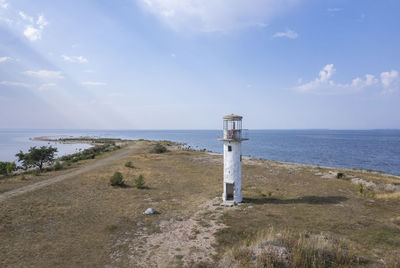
[(185, 146)]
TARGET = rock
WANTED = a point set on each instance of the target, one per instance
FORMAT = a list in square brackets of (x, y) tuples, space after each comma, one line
[(150, 211)]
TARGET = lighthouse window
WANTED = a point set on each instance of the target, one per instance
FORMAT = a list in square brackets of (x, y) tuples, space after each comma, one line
[(240, 158), (229, 148)]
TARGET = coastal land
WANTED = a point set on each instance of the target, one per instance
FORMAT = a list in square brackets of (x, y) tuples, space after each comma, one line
[(292, 216)]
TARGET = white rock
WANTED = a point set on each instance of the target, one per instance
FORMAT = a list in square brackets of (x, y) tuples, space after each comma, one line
[(149, 211)]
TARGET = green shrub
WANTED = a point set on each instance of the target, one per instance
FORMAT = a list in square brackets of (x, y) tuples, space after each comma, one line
[(117, 179), (7, 168), (339, 175), (361, 188), (158, 149), (58, 165), (129, 164), (11, 167), (36, 172), (139, 182)]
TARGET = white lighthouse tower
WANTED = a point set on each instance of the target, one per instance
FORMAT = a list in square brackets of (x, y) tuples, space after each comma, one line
[(233, 135)]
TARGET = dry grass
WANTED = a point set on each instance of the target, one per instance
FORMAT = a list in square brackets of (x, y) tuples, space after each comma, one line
[(395, 195), (84, 222), (287, 249)]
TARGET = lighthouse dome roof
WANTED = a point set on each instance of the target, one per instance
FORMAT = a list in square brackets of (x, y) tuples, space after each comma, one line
[(232, 117)]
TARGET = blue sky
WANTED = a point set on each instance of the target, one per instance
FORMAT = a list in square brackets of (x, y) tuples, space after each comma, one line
[(183, 64)]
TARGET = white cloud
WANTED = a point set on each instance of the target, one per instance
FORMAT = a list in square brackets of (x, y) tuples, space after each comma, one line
[(216, 15), (46, 86), (32, 33), (25, 16), (42, 22), (78, 59), (288, 33), (390, 82), (388, 78), (45, 74), (34, 30), (4, 59), (4, 4), (91, 83), (324, 84), (14, 84)]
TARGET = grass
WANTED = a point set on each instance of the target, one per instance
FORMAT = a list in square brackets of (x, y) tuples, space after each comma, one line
[(388, 196), (283, 248), (83, 222)]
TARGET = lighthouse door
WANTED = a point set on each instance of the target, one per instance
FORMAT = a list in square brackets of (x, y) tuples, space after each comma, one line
[(229, 191)]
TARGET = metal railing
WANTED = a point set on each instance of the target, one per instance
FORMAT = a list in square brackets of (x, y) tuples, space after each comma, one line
[(233, 134)]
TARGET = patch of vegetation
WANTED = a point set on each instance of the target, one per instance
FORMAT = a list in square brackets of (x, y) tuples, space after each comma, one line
[(288, 249), (117, 179), (361, 188), (57, 165), (158, 149), (139, 182), (7, 168), (91, 153), (129, 164), (37, 157), (339, 175)]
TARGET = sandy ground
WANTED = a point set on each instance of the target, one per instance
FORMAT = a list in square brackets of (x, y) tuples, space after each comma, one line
[(181, 242)]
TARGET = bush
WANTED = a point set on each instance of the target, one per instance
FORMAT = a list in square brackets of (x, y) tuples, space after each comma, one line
[(117, 179), (159, 149), (58, 165), (361, 188), (6, 168), (129, 164), (139, 182), (339, 175)]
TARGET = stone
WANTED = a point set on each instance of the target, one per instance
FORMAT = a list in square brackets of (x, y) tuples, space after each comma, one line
[(150, 211)]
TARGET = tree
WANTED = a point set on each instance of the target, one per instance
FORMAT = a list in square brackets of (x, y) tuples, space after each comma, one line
[(37, 156)]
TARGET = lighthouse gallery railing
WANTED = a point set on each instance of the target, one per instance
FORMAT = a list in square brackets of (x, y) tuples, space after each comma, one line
[(234, 134)]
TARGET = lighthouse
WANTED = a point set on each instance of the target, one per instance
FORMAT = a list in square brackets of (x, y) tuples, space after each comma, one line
[(233, 135)]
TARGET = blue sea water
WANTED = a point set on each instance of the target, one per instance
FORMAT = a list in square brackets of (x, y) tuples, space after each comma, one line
[(378, 150)]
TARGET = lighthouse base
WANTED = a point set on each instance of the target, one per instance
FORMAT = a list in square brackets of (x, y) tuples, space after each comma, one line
[(227, 203)]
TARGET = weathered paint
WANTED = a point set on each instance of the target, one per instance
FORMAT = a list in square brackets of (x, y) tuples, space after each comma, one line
[(233, 169)]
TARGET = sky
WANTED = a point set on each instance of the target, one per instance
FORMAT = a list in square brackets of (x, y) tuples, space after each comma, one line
[(183, 64)]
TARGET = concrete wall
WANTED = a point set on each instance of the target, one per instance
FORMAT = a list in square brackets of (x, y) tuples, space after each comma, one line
[(233, 169)]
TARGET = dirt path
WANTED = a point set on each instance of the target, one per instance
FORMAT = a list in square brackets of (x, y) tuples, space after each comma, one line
[(32, 187), (179, 242)]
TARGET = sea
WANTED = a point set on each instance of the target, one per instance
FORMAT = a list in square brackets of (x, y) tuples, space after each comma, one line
[(377, 150)]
